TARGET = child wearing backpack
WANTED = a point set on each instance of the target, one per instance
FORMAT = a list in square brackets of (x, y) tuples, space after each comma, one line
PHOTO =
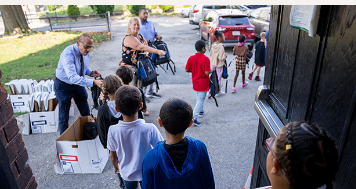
[(126, 74), (199, 66), (241, 51), (260, 60), (107, 115), (130, 139), (218, 57), (180, 161)]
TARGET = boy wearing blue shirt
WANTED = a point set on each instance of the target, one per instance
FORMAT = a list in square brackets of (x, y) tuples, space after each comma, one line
[(179, 162)]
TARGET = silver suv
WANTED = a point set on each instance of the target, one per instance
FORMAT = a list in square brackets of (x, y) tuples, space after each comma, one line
[(198, 12)]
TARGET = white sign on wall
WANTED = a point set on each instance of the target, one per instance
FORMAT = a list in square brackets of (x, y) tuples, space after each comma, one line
[(305, 17)]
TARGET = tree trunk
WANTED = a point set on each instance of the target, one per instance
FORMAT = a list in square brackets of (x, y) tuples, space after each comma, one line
[(14, 20)]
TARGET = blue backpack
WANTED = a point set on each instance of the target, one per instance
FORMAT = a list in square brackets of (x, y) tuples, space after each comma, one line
[(146, 71), (225, 74)]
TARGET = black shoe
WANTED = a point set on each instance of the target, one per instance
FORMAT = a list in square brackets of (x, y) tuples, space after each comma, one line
[(153, 95), (147, 100)]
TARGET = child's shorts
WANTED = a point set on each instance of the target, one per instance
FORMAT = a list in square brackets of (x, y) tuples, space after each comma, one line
[(240, 63)]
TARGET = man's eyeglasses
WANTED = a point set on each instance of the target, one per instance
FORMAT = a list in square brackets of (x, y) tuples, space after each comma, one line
[(269, 143), (87, 47)]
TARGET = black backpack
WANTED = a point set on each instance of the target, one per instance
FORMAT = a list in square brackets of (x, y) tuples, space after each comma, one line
[(90, 130), (146, 70), (158, 60), (95, 93), (214, 86), (249, 56)]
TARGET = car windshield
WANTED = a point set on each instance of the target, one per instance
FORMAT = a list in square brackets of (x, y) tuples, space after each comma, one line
[(233, 20)]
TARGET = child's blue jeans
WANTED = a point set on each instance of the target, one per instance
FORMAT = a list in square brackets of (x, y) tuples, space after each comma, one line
[(199, 105), (131, 184)]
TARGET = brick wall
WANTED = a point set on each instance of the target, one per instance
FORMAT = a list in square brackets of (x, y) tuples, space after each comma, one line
[(14, 157)]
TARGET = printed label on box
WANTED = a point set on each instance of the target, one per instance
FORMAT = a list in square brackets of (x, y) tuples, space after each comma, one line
[(96, 163), (67, 167), (68, 158), (18, 104), (36, 129), (41, 122)]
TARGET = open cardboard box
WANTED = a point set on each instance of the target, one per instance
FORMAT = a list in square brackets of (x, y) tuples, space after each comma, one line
[(75, 155), (46, 122)]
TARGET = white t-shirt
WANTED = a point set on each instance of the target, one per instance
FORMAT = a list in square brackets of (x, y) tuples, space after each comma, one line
[(131, 141)]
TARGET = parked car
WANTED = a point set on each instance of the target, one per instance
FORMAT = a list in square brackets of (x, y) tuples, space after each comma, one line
[(260, 19), (198, 12), (231, 23), (253, 7), (186, 11), (242, 8)]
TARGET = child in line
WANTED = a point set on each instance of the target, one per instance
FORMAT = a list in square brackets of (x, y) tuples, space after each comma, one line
[(241, 51), (130, 139), (218, 57), (302, 156), (126, 74), (107, 114), (199, 66), (260, 60), (179, 162)]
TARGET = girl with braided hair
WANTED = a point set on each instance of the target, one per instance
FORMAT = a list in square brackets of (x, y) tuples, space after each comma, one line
[(303, 155)]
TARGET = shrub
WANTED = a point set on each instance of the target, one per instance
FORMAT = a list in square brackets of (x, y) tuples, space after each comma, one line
[(165, 7), (73, 10), (102, 9), (150, 7), (92, 7), (187, 6), (134, 9), (51, 7)]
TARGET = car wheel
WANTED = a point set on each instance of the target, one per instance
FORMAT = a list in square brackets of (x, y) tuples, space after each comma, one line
[(209, 43)]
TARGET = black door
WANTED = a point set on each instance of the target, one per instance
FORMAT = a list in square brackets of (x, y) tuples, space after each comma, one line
[(310, 78)]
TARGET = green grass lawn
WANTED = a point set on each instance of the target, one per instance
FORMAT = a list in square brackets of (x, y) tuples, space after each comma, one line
[(36, 56)]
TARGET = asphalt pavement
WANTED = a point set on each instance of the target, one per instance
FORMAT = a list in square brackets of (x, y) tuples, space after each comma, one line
[(229, 131)]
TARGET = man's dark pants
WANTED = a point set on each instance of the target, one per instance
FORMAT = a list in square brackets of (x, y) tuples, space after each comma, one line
[(64, 93)]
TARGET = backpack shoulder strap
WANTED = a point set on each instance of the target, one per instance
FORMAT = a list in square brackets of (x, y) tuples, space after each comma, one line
[(216, 102)]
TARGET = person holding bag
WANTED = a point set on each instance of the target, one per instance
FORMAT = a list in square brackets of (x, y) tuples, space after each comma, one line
[(218, 57), (132, 45)]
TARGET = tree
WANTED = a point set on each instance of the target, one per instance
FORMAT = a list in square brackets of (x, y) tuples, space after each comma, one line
[(73, 10), (134, 9), (52, 7), (14, 20), (102, 9)]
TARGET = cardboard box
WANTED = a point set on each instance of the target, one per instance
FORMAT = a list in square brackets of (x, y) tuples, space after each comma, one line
[(45, 122), (27, 130), (20, 103), (75, 155)]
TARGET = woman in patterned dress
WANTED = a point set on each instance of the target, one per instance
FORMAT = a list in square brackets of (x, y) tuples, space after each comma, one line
[(241, 51), (132, 45)]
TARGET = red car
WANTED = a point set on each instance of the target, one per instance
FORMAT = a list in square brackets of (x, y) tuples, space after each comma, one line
[(231, 23)]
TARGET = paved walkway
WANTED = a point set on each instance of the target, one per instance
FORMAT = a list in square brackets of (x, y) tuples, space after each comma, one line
[(229, 131)]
